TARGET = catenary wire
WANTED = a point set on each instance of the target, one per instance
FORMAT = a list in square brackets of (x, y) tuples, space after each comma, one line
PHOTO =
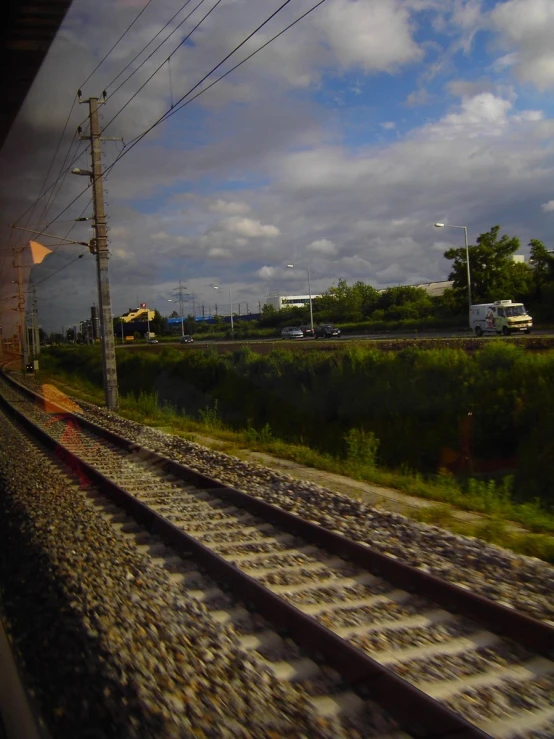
[(126, 67), (138, 138), (163, 63), (180, 104), (54, 159), (125, 32)]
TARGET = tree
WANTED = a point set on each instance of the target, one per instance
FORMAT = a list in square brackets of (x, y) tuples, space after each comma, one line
[(543, 279), (344, 303), (159, 324), (494, 275)]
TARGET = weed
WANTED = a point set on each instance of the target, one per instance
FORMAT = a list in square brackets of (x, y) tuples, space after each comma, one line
[(361, 447), (263, 436), (436, 515), (210, 416)]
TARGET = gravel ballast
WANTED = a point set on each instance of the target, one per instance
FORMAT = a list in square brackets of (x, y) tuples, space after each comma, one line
[(525, 583), (108, 645)]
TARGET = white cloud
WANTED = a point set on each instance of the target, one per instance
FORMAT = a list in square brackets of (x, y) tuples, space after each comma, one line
[(388, 125), (373, 36), (229, 207), (267, 272), (323, 246), (249, 228), (481, 115), (548, 207), (526, 29)]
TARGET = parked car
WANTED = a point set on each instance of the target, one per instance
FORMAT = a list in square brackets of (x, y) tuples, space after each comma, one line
[(153, 341), (307, 330), (186, 339), (326, 331), (292, 332)]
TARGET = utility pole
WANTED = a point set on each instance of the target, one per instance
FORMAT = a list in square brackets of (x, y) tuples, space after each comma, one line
[(35, 328), (99, 247), (181, 297), (23, 345)]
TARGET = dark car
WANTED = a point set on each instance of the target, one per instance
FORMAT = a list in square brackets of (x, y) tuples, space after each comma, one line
[(153, 341), (327, 331), (307, 330), (186, 339)]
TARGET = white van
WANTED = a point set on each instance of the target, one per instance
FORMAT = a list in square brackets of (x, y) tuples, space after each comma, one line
[(500, 317)]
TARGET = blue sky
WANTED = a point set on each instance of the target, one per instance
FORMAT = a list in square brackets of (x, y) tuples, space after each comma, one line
[(337, 147)]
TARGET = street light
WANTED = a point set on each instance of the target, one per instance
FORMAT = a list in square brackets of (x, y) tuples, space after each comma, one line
[(449, 225), (216, 287), (169, 300), (291, 266)]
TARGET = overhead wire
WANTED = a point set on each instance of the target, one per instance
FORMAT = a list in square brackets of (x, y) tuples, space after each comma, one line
[(64, 266), (138, 138), (41, 195), (126, 67), (182, 102), (104, 128), (47, 175), (155, 72), (125, 32)]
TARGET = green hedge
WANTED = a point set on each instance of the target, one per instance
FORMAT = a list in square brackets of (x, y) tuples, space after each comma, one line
[(492, 410)]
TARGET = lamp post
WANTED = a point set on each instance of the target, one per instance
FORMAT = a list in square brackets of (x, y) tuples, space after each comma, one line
[(449, 225), (169, 300), (291, 266), (216, 287)]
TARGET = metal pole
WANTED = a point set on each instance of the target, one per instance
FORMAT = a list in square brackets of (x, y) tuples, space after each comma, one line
[(468, 270), (22, 317), (182, 308), (311, 311), (109, 367), (232, 326)]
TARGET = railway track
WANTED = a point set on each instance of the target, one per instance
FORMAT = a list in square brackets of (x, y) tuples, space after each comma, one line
[(440, 660)]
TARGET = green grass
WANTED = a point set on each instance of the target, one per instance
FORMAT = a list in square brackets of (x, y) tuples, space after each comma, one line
[(492, 500), (491, 529)]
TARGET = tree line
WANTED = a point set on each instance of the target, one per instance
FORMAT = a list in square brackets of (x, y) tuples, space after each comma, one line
[(494, 276)]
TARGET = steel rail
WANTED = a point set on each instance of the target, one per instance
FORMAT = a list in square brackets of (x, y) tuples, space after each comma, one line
[(414, 710), (496, 617)]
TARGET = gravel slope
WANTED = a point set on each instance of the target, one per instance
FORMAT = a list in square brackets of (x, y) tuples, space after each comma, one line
[(109, 646), (523, 582)]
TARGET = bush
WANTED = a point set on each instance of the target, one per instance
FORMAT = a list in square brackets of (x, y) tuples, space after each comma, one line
[(361, 447)]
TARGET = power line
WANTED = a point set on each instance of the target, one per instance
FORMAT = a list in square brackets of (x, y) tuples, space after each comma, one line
[(180, 104), (148, 44), (138, 138), (116, 43), (54, 157), (164, 62), (51, 186), (60, 269)]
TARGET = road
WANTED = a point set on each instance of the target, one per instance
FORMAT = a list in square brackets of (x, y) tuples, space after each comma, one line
[(389, 336)]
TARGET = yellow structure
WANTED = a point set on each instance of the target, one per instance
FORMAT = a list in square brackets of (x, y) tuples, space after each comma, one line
[(139, 314)]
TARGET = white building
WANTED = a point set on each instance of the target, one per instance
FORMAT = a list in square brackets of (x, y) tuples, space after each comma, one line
[(288, 301)]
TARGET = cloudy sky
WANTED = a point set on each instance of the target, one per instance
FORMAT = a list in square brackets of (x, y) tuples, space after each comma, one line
[(337, 147)]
